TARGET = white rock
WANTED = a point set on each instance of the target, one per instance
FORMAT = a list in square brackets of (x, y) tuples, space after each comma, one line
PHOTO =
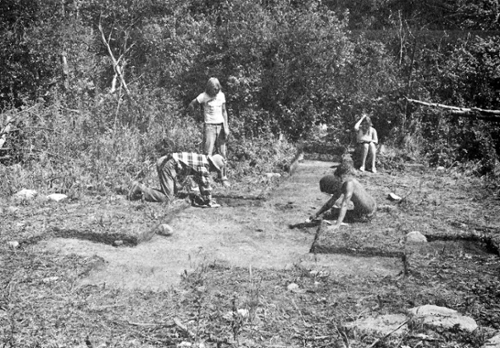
[(243, 312), (435, 316), (13, 244), (57, 197), (164, 230), (381, 325), (273, 175), (12, 209), (184, 344), (25, 194), (415, 237), (393, 197), (493, 342), (292, 287)]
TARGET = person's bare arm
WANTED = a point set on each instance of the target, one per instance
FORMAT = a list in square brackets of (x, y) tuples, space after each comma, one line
[(348, 191), (226, 123), (358, 124), (328, 205)]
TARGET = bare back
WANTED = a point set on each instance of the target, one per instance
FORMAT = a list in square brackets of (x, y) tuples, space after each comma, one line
[(363, 202)]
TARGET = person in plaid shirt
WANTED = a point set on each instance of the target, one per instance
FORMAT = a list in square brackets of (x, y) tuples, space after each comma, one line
[(176, 167)]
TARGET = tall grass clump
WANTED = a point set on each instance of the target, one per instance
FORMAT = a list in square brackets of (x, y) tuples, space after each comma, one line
[(81, 151), (102, 149)]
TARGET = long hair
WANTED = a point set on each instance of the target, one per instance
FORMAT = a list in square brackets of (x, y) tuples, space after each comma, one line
[(213, 87), (366, 124)]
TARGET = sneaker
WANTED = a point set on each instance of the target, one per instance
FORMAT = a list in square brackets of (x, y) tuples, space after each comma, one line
[(135, 192), (362, 168), (374, 170)]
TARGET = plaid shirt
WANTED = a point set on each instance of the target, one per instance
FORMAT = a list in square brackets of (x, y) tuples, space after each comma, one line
[(196, 165)]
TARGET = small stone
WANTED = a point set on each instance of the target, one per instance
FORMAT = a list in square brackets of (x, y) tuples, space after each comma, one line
[(13, 244), (50, 279), (57, 197), (117, 242), (273, 175), (25, 194), (293, 287), (415, 237), (12, 209), (393, 197), (243, 312), (164, 230)]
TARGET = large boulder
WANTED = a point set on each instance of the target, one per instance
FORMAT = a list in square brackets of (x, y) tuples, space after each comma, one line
[(442, 317)]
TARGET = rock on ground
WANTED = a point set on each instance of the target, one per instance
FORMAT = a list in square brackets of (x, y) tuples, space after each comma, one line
[(415, 237), (493, 342), (442, 317), (25, 194)]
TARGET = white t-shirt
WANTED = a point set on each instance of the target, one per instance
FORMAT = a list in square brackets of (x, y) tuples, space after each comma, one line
[(212, 107)]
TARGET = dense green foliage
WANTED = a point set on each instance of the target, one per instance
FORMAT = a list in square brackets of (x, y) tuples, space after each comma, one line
[(284, 65)]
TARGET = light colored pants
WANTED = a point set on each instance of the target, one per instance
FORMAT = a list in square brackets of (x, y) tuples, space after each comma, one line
[(215, 139), (167, 173)]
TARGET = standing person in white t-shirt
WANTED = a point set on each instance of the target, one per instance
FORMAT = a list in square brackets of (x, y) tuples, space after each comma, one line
[(213, 102)]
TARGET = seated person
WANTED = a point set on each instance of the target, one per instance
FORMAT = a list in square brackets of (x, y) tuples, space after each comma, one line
[(173, 169), (367, 140), (345, 190)]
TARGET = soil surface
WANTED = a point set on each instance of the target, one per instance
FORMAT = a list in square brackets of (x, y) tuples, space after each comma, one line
[(92, 270), (259, 232)]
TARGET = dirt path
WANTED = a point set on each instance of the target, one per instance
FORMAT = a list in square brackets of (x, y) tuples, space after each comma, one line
[(255, 235)]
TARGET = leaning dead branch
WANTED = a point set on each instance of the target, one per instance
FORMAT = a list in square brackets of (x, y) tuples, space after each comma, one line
[(489, 115), (118, 64)]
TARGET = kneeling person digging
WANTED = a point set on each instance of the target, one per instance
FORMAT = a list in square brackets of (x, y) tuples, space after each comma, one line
[(345, 191), (177, 166)]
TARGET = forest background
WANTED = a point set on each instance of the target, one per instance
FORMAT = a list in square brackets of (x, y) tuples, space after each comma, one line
[(98, 89)]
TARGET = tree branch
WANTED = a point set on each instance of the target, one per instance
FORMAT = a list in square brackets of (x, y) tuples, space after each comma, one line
[(491, 115), (116, 63)]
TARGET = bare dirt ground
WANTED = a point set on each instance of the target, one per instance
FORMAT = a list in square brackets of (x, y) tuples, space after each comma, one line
[(251, 273), (242, 233)]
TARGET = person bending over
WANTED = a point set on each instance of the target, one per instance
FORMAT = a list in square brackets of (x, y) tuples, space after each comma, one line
[(174, 168), (367, 140), (345, 190)]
